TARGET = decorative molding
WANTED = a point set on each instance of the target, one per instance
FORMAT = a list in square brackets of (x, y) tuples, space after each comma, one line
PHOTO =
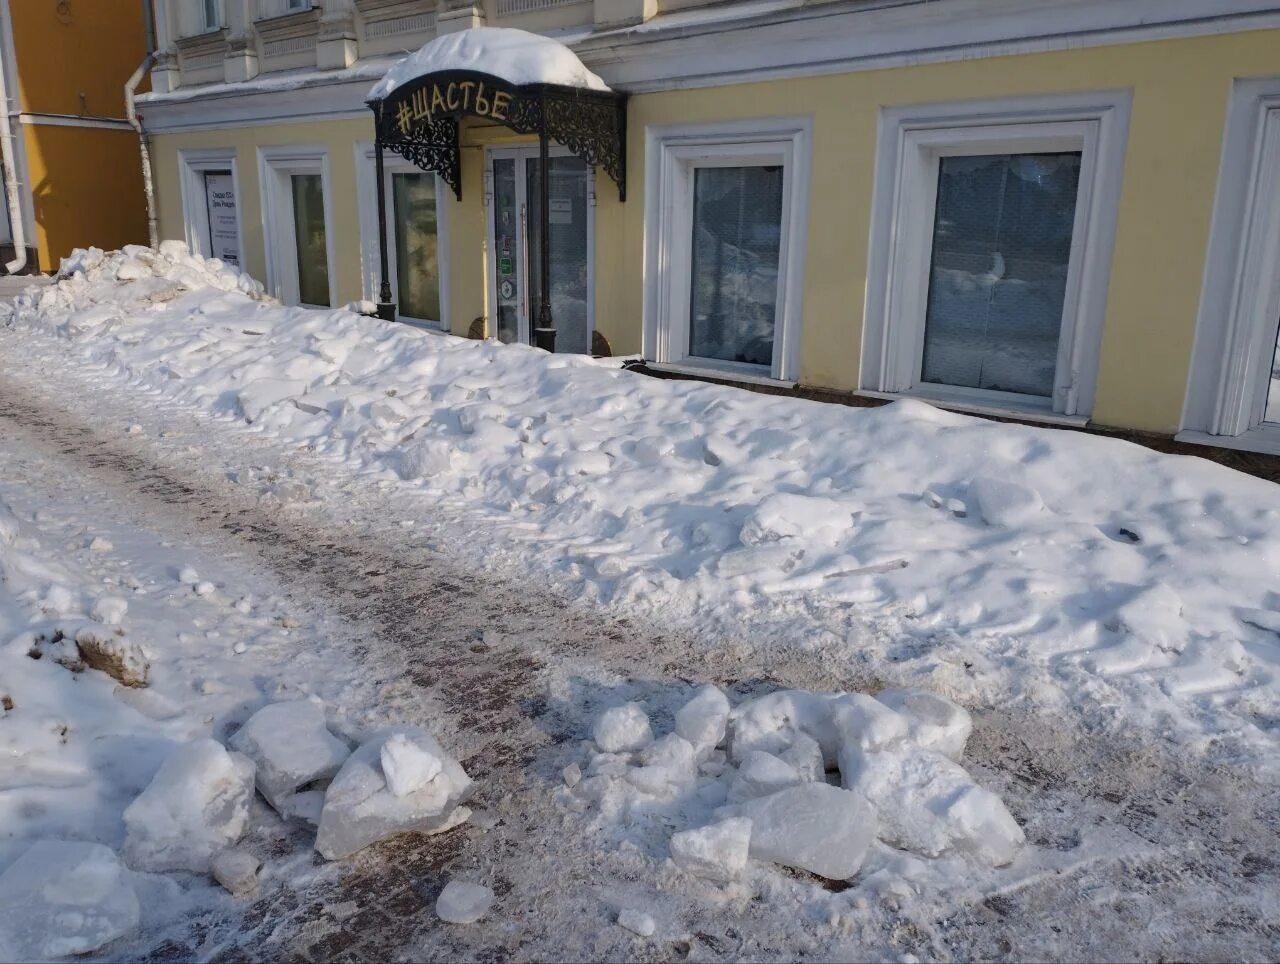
[(409, 23)]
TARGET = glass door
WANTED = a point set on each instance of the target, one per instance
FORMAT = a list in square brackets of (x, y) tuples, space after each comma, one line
[(515, 242)]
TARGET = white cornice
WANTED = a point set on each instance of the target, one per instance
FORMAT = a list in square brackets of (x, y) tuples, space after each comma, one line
[(763, 41)]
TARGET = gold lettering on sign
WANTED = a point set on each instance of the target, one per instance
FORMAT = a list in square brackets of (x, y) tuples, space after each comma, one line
[(482, 102), (501, 100), (449, 99), (437, 101), (421, 107), (466, 86), (404, 116)]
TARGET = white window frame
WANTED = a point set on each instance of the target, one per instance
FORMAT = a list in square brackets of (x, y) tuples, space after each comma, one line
[(911, 142), (672, 154), (370, 263), (276, 165), (216, 6), (193, 165), (1240, 298)]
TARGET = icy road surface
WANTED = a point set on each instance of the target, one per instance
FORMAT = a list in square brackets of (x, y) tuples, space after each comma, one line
[(1133, 852)]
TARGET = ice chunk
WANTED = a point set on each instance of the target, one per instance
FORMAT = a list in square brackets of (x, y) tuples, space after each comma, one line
[(702, 720), (8, 525), (236, 870), (933, 723), (636, 921), (718, 850), (622, 728), (359, 808), (771, 722), (197, 804), (463, 903), (1005, 503), (806, 756), (188, 576), (864, 725), (291, 746), (814, 827), (572, 775), (63, 897), (930, 806), (668, 763), (407, 766), (761, 774)]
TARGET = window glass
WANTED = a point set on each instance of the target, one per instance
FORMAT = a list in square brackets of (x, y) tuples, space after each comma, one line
[(417, 258), (737, 235), (312, 245), (998, 277), (209, 8)]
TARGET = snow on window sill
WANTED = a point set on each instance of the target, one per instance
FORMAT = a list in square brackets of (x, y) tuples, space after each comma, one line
[(998, 409), (727, 372)]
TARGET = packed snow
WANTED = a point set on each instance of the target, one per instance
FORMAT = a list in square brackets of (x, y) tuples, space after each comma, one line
[(516, 56), (984, 561)]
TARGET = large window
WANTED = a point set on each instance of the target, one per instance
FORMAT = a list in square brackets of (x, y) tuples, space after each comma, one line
[(296, 220), (416, 215), (1233, 394), (211, 204), (725, 224), (990, 252)]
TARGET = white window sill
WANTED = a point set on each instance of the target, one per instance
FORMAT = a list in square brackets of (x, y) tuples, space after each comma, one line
[(1026, 413), (1265, 441), (726, 373)]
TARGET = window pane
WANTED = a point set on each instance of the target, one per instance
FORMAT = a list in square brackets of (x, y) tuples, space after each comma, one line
[(417, 266), (1001, 245), (737, 233), (1272, 413), (309, 231), (567, 228)]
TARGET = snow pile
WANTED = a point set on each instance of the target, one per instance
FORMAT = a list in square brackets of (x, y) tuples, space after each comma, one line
[(806, 780), (516, 56), (997, 563)]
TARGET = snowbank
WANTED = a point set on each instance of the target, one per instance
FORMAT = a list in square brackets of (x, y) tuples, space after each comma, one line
[(985, 561), (516, 56)]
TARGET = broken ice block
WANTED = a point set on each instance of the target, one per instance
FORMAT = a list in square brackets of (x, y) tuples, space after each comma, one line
[(197, 804), (718, 850), (933, 723), (622, 728), (814, 827), (359, 807), (63, 897), (291, 746), (407, 766), (761, 774), (702, 720), (463, 903)]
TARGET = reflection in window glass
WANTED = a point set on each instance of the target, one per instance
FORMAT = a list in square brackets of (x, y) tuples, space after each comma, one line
[(417, 266), (309, 233), (1272, 412), (737, 234), (998, 279)]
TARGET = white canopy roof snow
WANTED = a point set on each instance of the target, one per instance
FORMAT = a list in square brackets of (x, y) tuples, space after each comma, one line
[(516, 56)]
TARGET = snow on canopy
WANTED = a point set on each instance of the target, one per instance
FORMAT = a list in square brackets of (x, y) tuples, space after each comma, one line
[(516, 56)]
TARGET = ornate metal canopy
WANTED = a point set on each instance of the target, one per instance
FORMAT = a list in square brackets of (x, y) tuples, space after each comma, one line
[(420, 120)]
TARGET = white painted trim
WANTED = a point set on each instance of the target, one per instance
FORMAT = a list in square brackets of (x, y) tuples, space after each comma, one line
[(275, 165), (1240, 297), (192, 166), (724, 374), (681, 50), (521, 155), (910, 139), (367, 198), (73, 120), (671, 153), (1264, 440)]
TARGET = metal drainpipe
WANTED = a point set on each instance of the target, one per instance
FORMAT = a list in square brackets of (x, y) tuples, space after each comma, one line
[(130, 89), (11, 184)]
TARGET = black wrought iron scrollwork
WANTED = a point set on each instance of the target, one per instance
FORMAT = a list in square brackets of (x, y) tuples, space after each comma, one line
[(420, 121)]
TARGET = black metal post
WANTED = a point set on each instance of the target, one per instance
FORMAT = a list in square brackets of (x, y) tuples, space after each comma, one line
[(386, 307), (544, 335)]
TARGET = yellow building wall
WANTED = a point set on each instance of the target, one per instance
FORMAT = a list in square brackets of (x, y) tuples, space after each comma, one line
[(86, 182), (1180, 87)]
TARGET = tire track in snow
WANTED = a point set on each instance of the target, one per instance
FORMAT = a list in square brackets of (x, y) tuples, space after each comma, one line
[(484, 651)]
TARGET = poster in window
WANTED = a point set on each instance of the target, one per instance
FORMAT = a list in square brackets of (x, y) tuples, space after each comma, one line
[(224, 233)]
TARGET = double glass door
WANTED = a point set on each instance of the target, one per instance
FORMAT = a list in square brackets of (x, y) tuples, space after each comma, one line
[(515, 238)]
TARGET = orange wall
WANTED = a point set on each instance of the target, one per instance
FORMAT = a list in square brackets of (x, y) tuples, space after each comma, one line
[(92, 48), (86, 186), (73, 58)]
